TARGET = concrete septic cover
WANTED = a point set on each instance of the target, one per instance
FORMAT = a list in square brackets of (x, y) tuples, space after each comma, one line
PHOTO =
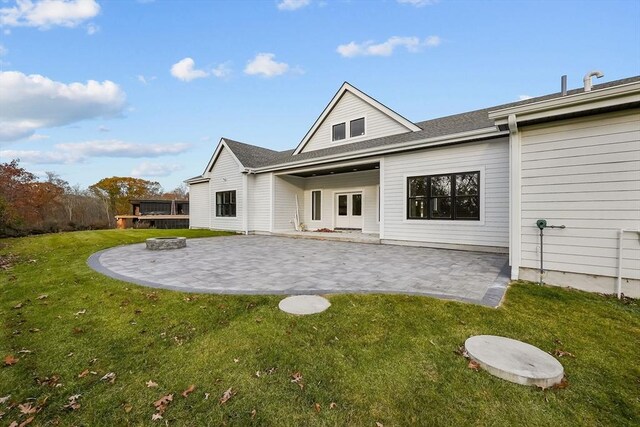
[(514, 361), (304, 304)]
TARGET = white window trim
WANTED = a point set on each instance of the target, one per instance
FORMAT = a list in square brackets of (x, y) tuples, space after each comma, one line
[(215, 208), (435, 222), (321, 207), (347, 128)]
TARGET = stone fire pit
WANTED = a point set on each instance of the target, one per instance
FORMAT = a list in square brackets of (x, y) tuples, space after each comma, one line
[(164, 243)]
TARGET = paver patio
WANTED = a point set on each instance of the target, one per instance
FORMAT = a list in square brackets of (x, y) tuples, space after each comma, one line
[(282, 265)]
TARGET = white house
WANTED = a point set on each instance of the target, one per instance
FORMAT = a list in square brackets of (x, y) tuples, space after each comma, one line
[(473, 181)]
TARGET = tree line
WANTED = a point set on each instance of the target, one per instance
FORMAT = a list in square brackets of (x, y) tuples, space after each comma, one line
[(29, 205)]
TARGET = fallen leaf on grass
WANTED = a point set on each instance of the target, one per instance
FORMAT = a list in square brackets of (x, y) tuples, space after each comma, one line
[(83, 373), (128, 407), (562, 384), (27, 408), (9, 360), (316, 407), (5, 399), (561, 353), (73, 404), (236, 360), (461, 351), (297, 378), (43, 296), (22, 424), (253, 414), (206, 396), (189, 390), (83, 311), (34, 330), (474, 365), (17, 306), (77, 330), (24, 351), (333, 405), (155, 417), (111, 377), (228, 394), (162, 403), (151, 384), (379, 424)]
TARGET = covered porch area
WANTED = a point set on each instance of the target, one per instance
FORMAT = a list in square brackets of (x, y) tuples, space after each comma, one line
[(335, 201)]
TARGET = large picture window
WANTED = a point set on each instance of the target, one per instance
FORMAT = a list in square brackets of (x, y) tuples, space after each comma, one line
[(453, 196), (226, 203)]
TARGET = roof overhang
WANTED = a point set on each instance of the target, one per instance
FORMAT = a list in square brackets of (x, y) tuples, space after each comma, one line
[(458, 138), (580, 104), (346, 87), (196, 180)]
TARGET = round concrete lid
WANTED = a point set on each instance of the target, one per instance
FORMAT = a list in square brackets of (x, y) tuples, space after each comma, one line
[(304, 304), (514, 360)]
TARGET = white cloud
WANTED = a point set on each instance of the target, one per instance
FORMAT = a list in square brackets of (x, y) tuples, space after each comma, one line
[(3, 50), (147, 169), (185, 70), (92, 28), (38, 137), (103, 128), (524, 97), (222, 71), (76, 152), (31, 102), (45, 14), (145, 80), (293, 4), (369, 48), (264, 64), (418, 3)]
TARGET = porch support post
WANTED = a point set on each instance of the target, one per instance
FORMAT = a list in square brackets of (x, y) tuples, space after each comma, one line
[(515, 173)]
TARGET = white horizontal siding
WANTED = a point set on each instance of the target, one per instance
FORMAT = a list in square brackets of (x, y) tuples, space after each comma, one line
[(226, 176), (350, 107), (199, 205), (491, 157), (584, 174), (366, 181), (286, 188), (259, 202)]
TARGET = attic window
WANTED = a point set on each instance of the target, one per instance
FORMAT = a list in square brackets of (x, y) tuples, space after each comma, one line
[(339, 132), (356, 127)]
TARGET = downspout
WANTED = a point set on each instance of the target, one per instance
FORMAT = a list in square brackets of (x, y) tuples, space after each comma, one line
[(515, 232), (245, 201)]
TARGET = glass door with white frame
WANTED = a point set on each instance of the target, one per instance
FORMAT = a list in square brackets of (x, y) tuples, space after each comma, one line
[(349, 210)]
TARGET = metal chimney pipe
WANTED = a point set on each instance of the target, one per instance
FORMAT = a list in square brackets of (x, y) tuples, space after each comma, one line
[(563, 85), (587, 79)]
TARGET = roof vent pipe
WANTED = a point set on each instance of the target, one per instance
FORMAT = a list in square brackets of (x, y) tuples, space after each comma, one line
[(588, 77), (563, 85)]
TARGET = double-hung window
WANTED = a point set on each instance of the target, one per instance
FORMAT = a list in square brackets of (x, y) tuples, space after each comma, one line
[(453, 196), (226, 203)]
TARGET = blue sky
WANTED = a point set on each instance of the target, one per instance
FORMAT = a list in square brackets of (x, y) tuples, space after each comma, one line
[(97, 88)]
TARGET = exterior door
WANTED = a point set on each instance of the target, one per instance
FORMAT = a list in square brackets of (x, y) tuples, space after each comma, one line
[(349, 210)]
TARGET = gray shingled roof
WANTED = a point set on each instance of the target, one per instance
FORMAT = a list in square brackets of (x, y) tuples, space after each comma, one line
[(252, 156)]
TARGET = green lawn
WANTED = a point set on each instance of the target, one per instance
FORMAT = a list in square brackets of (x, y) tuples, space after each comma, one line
[(368, 359)]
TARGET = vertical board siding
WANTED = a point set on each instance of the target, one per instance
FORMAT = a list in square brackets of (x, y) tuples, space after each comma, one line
[(226, 176), (285, 191), (199, 205), (366, 181), (584, 174), (490, 157), (349, 107), (259, 202)]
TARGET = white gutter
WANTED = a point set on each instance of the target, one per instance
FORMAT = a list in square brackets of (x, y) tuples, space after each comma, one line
[(421, 143), (620, 244)]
